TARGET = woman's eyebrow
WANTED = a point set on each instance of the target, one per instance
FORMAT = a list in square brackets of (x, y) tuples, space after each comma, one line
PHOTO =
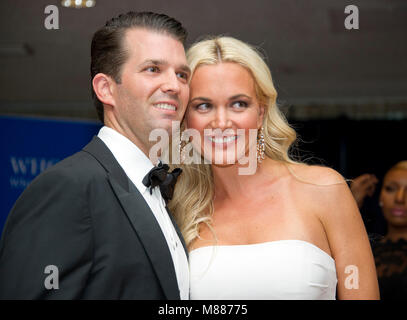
[(237, 96), (201, 99)]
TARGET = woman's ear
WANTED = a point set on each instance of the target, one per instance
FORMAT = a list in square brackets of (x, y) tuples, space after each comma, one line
[(261, 116), (103, 87), (381, 200)]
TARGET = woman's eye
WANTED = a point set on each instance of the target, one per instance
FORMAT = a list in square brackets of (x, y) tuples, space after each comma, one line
[(202, 106), (389, 188), (239, 104)]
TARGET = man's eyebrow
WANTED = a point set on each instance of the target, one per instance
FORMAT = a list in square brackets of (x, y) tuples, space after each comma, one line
[(153, 62), (160, 62), (185, 68)]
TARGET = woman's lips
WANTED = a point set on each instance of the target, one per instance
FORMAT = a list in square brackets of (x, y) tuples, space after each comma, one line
[(220, 140), (398, 212), (223, 142)]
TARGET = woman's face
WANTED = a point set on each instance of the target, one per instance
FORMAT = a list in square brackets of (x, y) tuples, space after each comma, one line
[(393, 197), (223, 97)]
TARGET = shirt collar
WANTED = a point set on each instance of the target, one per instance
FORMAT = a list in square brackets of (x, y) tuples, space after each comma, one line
[(133, 161)]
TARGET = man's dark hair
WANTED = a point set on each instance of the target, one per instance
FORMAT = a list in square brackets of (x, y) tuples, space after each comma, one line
[(108, 53)]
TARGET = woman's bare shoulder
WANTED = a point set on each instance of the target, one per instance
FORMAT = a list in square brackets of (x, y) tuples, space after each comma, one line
[(330, 199), (319, 188), (315, 175)]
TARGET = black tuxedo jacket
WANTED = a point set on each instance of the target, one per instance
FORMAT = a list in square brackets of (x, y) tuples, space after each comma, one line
[(86, 218)]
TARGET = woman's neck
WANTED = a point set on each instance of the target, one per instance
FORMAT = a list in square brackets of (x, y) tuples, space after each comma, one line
[(396, 233), (231, 185)]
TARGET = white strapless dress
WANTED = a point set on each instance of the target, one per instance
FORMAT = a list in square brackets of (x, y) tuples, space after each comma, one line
[(276, 270)]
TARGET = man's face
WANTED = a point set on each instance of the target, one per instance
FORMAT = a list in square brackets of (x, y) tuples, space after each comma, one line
[(154, 87)]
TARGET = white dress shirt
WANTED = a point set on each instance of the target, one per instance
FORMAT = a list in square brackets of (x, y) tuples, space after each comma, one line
[(136, 165)]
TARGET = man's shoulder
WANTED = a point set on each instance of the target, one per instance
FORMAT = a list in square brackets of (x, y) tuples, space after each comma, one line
[(78, 167), (81, 162)]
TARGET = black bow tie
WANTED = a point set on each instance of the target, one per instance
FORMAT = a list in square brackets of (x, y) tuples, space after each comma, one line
[(159, 176)]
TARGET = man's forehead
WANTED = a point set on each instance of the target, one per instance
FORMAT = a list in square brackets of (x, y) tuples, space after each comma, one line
[(144, 53), (143, 44), (143, 37)]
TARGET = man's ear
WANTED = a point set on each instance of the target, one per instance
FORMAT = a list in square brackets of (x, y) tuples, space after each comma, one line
[(103, 87)]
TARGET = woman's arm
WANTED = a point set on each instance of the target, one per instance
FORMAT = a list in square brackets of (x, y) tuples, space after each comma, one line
[(348, 240)]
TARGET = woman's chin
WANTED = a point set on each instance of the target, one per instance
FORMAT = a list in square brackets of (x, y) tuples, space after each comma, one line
[(224, 161), (223, 165)]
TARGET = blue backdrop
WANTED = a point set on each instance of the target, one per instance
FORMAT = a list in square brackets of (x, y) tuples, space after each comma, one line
[(31, 145)]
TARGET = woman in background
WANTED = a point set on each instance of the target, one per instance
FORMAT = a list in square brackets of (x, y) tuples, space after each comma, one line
[(391, 252), (286, 231)]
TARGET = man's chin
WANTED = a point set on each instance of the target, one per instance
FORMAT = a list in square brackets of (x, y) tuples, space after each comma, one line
[(162, 131), (169, 124)]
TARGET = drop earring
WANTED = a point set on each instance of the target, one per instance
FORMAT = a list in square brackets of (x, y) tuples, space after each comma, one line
[(261, 147)]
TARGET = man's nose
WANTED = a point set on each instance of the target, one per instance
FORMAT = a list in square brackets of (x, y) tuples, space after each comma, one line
[(171, 83)]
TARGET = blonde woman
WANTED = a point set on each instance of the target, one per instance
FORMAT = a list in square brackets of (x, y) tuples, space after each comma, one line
[(286, 231)]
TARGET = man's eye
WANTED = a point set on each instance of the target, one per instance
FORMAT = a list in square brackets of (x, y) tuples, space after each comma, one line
[(182, 75), (152, 69)]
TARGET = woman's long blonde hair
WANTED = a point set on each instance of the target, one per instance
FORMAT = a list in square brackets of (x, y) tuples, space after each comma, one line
[(192, 202)]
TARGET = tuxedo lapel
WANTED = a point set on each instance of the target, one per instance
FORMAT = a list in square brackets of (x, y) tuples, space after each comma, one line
[(151, 236), (105, 157), (140, 217)]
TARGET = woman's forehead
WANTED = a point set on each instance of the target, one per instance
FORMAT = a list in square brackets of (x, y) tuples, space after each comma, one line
[(221, 77)]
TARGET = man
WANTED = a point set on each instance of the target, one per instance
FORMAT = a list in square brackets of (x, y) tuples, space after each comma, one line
[(91, 227)]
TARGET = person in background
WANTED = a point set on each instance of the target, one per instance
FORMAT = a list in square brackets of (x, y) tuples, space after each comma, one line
[(364, 190), (363, 186), (391, 252)]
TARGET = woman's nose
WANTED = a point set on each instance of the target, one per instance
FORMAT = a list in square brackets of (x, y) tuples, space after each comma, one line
[(401, 196), (221, 119)]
